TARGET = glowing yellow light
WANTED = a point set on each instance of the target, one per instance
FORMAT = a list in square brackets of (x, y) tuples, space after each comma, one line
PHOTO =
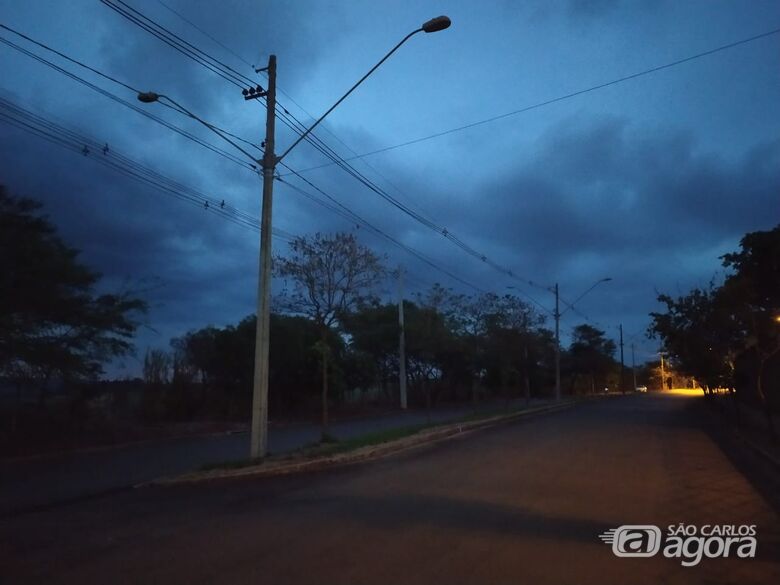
[(686, 391)]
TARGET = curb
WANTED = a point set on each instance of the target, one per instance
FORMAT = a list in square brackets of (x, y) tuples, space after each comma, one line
[(361, 454)]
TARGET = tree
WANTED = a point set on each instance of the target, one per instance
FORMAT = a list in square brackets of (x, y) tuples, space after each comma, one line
[(332, 275), (428, 347), (729, 335), (699, 335), (373, 331), (590, 353), (52, 322), (753, 293), (157, 367), (470, 319)]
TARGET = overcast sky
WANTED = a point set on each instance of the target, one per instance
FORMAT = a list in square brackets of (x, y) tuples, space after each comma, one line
[(647, 181)]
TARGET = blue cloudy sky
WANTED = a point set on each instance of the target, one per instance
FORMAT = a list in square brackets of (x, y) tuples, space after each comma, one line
[(646, 181)]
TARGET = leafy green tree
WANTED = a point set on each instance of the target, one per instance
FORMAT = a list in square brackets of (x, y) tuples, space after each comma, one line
[(331, 276), (52, 322)]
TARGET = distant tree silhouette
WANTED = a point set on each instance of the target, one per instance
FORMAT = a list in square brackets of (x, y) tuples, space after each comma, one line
[(729, 336), (331, 275), (591, 354), (52, 323)]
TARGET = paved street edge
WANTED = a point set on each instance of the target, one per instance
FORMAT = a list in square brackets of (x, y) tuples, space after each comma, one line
[(362, 454)]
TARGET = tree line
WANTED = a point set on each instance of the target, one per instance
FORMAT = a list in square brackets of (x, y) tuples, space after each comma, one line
[(727, 336), (333, 339)]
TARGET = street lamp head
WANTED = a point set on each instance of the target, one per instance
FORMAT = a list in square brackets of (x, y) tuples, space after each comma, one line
[(436, 24), (148, 97), (607, 279)]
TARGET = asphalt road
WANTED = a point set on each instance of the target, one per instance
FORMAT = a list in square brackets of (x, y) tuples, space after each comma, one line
[(50, 480), (520, 503)]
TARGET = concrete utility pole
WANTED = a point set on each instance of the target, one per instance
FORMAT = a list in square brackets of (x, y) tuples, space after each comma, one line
[(633, 366), (622, 366), (557, 316), (401, 339), (259, 434)]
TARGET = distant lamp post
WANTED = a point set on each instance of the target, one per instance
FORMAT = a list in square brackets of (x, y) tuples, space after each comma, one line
[(259, 428), (557, 316)]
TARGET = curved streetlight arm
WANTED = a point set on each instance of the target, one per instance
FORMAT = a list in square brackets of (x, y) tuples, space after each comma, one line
[(579, 298), (333, 107), (149, 97)]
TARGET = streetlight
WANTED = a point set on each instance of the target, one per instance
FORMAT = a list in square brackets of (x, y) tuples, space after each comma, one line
[(259, 432), (149, 97), (433, 25)]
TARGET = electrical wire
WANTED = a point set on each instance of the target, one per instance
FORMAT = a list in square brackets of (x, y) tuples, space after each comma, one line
[(35, 124), (203, 32), (560, 98), (209, 146), (355, 218), (296, 126), (176, 42)]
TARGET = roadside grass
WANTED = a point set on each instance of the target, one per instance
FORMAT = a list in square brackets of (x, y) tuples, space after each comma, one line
[(333, 446)]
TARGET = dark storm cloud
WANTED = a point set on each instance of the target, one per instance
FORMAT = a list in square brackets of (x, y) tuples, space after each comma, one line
[(591, 8), (648, 193), (605, 187), (240, 24)]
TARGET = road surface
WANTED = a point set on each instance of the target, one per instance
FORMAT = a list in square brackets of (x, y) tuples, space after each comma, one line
[(43, 481), (519, 503)]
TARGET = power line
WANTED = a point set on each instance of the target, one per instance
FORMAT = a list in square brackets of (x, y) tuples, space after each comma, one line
[(217, 150), (355, 218), (43, 127), (327, 151), (559, 98), (350, 215), (67, 58), (294, 124), (76, 147), (176, 42), (232, 52), (298, 128), (203, 32)]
